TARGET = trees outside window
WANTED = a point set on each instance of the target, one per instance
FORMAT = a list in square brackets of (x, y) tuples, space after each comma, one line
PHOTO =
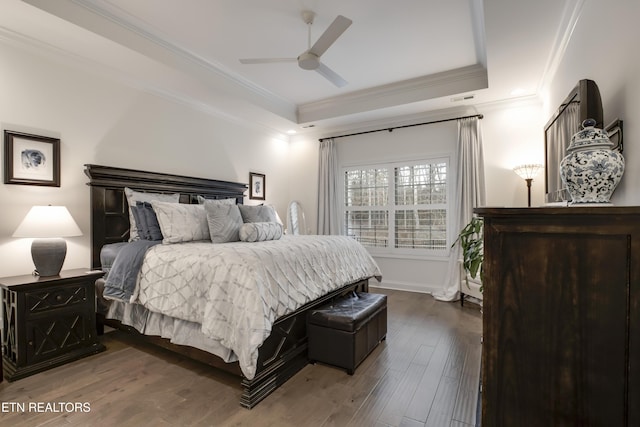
[(401, 206)]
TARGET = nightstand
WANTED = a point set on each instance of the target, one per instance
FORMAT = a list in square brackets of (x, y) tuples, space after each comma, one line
[(48, 321)]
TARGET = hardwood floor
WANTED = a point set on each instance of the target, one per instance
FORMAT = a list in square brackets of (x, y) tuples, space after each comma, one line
[(425, 374)]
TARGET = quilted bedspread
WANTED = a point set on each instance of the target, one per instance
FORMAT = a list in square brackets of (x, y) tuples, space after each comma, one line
[(237, 290)]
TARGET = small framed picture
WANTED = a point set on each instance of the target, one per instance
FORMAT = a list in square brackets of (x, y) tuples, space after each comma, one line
[(256, 186), (31, 159)]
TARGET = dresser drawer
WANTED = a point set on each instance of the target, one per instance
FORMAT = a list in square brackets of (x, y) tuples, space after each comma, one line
[(56, 297)]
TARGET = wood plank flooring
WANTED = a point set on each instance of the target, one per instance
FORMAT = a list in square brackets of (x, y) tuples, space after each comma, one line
[(425, 374)]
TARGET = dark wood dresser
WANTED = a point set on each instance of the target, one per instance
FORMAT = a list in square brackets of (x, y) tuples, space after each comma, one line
[(561, 320), (47, 321)]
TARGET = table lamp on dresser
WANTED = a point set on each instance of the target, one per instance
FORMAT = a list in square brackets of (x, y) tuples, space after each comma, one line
[(48, 225)]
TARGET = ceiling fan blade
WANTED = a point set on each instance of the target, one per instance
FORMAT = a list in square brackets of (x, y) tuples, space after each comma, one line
[(331, 34), (331, 75), (266, 60)]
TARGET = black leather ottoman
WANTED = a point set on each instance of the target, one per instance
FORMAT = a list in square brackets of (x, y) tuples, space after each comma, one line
[(344, 332)]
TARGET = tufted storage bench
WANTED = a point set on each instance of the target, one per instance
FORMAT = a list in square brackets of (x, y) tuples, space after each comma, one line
[(345, 331)]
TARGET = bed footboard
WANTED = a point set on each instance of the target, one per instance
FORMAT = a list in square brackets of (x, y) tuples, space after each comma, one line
[(284, 352)]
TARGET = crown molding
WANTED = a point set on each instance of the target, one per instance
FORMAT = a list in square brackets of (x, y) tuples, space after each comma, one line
[(479, 37), (460, 80), (503, 104), (25, 43), (568, 22), (111, 22)]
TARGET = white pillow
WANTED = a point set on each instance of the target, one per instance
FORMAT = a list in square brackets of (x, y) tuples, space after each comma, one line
[(138, 196), (260, 231), (181, 222)]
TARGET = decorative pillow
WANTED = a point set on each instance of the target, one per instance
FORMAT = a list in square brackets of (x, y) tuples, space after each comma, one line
[(260, 213), (260, 231), (181, 222), (230, 201), (141, 220), (224, 222), (138, 196), (149, 221)]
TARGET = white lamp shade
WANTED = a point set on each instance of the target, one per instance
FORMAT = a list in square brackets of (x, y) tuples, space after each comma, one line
[(48, 221), (527, 171)]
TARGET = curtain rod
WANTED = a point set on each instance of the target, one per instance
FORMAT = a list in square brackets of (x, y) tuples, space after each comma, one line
[(391, 129)]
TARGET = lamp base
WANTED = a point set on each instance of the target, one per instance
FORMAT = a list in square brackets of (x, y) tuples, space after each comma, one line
[(48, 255)]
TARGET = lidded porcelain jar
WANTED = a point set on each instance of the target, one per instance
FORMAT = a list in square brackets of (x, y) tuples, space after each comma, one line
[(591, 170)]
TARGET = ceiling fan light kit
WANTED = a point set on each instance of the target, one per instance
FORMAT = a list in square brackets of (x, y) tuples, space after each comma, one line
[(310, 59)]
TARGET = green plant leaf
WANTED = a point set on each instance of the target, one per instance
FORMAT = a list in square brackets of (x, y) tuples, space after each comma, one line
[(472, 245)]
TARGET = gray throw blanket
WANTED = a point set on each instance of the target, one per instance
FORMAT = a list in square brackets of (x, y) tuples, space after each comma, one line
[(122, 278)]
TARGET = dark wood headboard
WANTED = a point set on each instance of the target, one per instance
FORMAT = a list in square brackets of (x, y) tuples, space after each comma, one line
[(110, 210)]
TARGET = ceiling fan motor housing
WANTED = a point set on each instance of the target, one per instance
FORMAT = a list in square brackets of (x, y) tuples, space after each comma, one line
[(308, 61)]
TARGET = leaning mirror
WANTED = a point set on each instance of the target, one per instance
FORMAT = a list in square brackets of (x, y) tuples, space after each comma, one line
[(295, 218)]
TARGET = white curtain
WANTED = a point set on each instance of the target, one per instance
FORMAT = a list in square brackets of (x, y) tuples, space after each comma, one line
[(566, 125), (328, 203), (469, 193)]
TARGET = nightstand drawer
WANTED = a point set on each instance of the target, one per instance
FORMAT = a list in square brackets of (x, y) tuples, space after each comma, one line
[(55, 297)]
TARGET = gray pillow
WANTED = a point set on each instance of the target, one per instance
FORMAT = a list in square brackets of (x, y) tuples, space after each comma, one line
[(229, 201), (150, 221), (224, 222), (138, 196), (260, 213), (260, 231), (141, 220)]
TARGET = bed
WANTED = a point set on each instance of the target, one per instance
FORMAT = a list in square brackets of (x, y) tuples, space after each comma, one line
[(284, 350)]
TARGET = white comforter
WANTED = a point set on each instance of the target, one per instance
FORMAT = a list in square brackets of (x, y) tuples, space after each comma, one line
[(237, 290)]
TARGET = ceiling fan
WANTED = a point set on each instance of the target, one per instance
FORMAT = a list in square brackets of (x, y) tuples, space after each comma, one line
[(310, 58)]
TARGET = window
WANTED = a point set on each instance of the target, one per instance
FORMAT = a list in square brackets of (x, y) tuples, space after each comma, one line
[(401, 207)]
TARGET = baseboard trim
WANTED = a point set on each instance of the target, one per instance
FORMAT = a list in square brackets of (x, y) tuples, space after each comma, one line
[(408, 287)]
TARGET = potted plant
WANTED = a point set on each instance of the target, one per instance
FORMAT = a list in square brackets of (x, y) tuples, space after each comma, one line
[(471, 242)]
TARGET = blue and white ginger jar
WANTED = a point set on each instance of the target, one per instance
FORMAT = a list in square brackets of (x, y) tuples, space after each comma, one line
[(591, 170)]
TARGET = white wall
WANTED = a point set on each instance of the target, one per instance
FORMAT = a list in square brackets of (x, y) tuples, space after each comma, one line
[(303, 178), (103, 122), (604, 48), (513, 135)]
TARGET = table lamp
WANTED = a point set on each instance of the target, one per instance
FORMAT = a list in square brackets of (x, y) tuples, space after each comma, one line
[(528, 172), (48, 225)]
